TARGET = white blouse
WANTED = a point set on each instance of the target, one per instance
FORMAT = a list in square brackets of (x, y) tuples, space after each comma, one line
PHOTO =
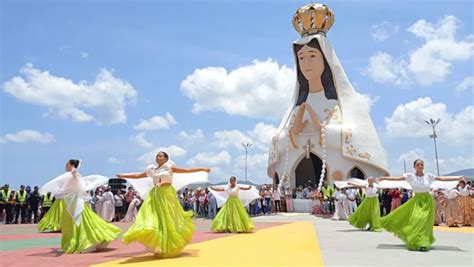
[(420, 184), (163, 174), (464, 191), (233, 192), (371, 191)]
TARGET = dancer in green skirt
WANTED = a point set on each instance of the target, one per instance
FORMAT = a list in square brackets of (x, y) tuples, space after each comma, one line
[(161, 224), (233, 216), (51, 221), (82, 230), (413, 221), (368, 212)]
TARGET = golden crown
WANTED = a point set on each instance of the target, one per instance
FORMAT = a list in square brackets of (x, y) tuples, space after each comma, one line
[(313, 18)]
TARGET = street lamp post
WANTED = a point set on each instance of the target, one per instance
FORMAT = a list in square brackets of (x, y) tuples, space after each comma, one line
[(246, 147), (433, 124)]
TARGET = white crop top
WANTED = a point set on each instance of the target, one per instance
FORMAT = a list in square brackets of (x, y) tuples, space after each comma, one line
[(163, 174), (233, 192), (371, 191), (420, 184)]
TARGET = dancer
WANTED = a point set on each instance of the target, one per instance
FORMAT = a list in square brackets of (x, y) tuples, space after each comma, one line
[(464, 191), (51, 220), (82, 230), (161, 224), (413, 221), (233, 217), (368, 212), (453, 208)]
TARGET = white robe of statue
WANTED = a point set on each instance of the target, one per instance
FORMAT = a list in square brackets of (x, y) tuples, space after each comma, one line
[(350, 136)]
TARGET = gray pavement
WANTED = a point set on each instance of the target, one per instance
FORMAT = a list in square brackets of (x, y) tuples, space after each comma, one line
[(342, 245)]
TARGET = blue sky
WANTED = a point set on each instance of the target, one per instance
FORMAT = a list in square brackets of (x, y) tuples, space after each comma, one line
[(83, 79)]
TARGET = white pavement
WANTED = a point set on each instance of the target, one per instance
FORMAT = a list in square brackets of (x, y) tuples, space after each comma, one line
[(342, 245)]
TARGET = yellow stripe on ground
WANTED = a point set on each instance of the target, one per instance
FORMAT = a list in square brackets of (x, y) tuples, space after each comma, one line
[(293, 244), (465, 229)]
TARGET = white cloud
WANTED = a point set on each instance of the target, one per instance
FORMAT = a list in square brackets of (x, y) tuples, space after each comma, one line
[(466, 85), (261, 89), (156, 122), (210, 159), (114, 160), (383, 68), (411, 156), (26, 136), (383, 31), (256, 168), (192, 136), (140, 140), (260, 137), (102, 101), (446, 164), (429, 63), (84, 54), (173, 151), (408, 120), (456, 163), (369, 100), (231, 138)]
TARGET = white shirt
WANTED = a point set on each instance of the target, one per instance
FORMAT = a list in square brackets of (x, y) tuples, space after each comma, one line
[(233, 192), (464, 191), (277, 194), (108, 196), (371, 191), (420, 184), (453, 193), (162, 174), (351, 194)]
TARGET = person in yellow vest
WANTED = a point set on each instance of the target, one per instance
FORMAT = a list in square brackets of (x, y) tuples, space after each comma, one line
[(21, 207), (5, 204), (46, 203), (328, 195)]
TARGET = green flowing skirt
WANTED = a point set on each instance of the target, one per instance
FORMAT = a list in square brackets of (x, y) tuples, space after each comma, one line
[(232, 218), (161, 223), (368, 213), (51, 222), (92, 232), (413, 222)]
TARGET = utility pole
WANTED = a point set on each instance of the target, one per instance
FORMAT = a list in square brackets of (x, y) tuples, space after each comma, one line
[(246, 147), (433, 124)]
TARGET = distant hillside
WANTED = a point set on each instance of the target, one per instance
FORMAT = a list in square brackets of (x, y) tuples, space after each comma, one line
[(467, 172)]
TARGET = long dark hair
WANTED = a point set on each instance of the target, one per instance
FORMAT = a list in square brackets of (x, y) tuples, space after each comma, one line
[(326, 78), (74, 162)]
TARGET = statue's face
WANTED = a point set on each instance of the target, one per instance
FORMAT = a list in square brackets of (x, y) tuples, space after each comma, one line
[(311, 62)]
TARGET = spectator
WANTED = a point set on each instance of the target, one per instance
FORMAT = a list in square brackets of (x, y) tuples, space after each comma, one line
[(108, 205), (5, 204), (385, 203), (119, 205), (396, 196), (33, 202), (21, 206), (277, 199), (46, 203), (212, 206)]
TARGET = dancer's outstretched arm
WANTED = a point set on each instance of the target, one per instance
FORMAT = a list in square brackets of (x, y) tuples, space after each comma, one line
[(245, 188), (180, 170), (358, 186), (137, 175), (391, 178), (449, 178), (217, 189)]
